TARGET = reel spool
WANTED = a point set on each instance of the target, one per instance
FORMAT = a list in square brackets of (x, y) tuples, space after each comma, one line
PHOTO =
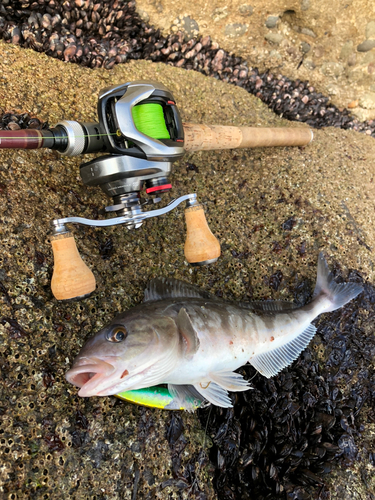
[(149, 119)]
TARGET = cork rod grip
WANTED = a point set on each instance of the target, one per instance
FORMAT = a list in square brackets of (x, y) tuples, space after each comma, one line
[(201, 246), (208, 137), (71, 277)]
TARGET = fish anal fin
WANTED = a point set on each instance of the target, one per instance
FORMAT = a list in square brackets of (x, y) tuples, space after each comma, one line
[(230, 381), (185, 397), (271, 362), (214, 393), (169, 288), (188, 332)]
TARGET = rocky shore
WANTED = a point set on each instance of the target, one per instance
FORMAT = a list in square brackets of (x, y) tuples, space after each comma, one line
[(307, 433), (110, 33)]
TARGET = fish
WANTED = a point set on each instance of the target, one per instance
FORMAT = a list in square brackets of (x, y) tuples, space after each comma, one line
[(183, 337)]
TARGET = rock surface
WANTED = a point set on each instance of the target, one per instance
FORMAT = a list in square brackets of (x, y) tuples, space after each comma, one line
[(56, 444), (339, 33)]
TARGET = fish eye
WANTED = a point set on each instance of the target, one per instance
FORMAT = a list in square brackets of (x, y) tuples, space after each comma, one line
[(118, 333)]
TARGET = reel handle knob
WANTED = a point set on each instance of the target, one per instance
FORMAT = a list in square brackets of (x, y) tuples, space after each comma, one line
[(71, 277), (201, 246)]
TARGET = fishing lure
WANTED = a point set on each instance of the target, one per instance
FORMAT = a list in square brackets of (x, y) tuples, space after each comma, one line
[(158, 397)]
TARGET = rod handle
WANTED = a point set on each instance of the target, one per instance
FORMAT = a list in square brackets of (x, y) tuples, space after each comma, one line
[(71, 277), (208, 137), (201, 246)]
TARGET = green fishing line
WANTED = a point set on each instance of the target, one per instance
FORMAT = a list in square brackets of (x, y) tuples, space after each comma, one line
[(149, 119)]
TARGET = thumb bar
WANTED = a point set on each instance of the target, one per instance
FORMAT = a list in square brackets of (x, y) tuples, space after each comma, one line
[(208, 137)]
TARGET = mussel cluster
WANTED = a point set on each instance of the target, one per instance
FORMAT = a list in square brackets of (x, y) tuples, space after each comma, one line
[(102, 34), (17, 121)]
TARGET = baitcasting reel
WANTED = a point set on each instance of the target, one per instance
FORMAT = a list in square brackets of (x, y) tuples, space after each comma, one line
[(141, 133), (139, 124)]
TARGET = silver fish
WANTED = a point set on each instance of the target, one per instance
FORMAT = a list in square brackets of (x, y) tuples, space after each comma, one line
[(182, 337)]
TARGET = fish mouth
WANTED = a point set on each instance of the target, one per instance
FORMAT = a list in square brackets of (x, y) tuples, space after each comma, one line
[(89, 375)]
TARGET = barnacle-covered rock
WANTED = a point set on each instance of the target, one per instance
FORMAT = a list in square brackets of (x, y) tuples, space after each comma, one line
[(273, 210)]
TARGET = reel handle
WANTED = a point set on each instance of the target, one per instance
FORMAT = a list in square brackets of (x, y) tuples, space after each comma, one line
[(208, 137), (201, 246), (71, 277)]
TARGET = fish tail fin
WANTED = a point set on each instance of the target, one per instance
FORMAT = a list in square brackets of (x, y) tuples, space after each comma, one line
[(337, 293)]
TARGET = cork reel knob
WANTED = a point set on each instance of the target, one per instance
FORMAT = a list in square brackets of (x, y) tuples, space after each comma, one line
[(71, 278), (201, 246)]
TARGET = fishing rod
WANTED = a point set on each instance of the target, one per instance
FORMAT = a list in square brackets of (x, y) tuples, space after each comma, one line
[(141, 134)]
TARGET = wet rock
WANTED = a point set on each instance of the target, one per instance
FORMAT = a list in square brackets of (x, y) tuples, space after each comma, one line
[(370, 30), (246, 10), (368, 101), (219, 13), (332, 68), (275, 54), (352, 60), (346, 50), (271, 21), (319, 51), (305, 47), (366, 46), (236, 29), (369, 57), (275, 38), (308, 32), (332, 89), (190, 27)]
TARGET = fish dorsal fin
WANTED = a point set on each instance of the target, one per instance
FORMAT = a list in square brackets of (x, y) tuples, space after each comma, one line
[(230, 381), (170, 288), (214, 393), (185, 397), (269, 306), (188, 332), (270, 363)]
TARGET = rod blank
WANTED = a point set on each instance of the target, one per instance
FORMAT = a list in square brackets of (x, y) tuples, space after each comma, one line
[(21, 139)]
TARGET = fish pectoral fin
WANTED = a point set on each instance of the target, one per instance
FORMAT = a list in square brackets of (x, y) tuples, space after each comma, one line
[(185, 397), (170, 288), (188, 332), (230, 381), (214, 393), (270, 363)]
